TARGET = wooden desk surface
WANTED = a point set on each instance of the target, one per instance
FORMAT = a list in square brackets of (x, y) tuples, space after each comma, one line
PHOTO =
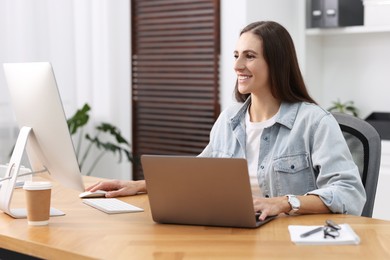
[(86, 233)]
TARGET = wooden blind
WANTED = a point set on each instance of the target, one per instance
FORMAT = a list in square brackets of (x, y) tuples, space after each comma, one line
[(175, 71)]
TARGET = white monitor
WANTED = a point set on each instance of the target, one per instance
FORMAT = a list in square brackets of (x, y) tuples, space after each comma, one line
[(41, 118)]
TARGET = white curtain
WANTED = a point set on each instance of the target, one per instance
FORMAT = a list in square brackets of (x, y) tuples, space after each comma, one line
[(88, 44)]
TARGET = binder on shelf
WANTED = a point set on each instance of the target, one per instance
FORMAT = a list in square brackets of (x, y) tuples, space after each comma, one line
[(335, 13)]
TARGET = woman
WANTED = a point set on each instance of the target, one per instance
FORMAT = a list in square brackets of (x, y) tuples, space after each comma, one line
[(297, 157)]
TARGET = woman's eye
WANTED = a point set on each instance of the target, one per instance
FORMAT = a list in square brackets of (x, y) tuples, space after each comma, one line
[(235, 56), (250, 56)]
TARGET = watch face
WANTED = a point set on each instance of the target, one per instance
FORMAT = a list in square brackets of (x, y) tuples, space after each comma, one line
[(294, 202)]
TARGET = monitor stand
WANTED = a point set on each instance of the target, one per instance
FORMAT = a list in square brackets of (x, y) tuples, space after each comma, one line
[(13, 169)]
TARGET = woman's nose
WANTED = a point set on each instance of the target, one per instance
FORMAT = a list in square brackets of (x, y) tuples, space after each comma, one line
[(239, 65)]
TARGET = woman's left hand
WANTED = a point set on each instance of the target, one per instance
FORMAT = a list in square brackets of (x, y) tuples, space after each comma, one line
[(270, 206)]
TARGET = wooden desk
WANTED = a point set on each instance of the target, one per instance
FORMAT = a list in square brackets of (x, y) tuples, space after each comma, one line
[(86, 233)]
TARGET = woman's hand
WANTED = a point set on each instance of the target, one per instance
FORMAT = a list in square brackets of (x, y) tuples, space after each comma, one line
[(117, 188), (270, 206), (310, 204)]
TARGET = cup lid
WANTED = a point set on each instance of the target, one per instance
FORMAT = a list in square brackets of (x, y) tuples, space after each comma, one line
[(37, 185)]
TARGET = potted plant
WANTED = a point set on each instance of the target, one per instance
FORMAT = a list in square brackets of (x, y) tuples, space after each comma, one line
[(119, 146), (346, 107)]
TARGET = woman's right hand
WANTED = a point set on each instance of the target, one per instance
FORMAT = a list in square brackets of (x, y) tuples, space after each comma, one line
[(118, 188)]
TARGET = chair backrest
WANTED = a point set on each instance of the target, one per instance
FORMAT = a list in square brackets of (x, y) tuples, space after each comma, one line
[(365, 145)]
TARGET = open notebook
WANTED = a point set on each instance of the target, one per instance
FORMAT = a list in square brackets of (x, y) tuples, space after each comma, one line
[(200, 191)]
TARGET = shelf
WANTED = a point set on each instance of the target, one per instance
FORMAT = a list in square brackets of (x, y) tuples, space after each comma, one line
[(347, 30)]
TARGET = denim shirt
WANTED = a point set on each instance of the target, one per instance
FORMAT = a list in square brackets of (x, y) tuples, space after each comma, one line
[(304, 152)]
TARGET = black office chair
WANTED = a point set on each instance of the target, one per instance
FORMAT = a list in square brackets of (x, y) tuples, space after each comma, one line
[(365, 145)]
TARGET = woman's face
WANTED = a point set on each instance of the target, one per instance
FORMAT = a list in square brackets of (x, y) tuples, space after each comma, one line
[(250, 66)]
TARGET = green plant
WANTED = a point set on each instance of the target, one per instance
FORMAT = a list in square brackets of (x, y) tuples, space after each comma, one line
[(120, 146), (346, 107)]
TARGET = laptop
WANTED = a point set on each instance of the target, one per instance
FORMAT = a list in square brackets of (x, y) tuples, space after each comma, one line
[(200, 191)]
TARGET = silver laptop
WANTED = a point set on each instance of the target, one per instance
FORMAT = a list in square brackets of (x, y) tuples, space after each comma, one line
[(200, 191)]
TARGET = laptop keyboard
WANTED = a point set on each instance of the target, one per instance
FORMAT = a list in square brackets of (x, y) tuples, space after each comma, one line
[(261, 222), (111, 205)]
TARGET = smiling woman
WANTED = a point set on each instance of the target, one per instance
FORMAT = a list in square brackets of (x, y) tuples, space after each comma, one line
[(299, 162), (285, 137)]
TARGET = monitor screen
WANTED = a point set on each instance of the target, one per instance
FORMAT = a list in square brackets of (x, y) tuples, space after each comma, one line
[(37, 104)]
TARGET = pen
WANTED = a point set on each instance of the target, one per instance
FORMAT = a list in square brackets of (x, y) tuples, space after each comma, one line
[(313, 231)]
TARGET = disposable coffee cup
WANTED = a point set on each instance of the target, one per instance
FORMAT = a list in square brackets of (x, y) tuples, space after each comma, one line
[(38, 195)]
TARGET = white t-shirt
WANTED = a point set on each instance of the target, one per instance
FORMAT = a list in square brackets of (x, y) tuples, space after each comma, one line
[(253, 134)]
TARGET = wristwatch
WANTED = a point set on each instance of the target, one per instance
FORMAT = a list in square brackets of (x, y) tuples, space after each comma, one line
[(294, 203)]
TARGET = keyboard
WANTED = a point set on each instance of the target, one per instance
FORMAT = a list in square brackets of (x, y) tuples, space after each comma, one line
[(112, 206)]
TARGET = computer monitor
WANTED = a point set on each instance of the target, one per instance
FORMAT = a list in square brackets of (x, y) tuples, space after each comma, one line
[(41, 118)]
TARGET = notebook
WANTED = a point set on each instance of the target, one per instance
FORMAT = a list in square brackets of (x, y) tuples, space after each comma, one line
[(200, 191), (347, 236)]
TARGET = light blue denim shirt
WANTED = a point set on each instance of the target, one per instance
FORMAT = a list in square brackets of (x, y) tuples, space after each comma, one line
[(304, 152)]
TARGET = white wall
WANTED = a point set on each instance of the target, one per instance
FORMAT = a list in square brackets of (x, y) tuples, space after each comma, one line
[(88, 44), (351, 67), (233, 19)]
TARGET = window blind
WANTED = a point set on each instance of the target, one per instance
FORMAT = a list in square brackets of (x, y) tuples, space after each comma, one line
[(175, 71)]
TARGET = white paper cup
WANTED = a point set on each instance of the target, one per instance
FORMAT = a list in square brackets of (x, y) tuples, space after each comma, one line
[(38, 195)]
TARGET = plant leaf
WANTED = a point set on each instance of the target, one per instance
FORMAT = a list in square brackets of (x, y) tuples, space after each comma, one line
[(79, 119)]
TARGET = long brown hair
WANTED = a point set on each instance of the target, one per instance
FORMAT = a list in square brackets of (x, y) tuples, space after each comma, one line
[(279, 52)]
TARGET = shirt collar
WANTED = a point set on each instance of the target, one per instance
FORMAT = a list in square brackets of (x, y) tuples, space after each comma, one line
[(287, 113)]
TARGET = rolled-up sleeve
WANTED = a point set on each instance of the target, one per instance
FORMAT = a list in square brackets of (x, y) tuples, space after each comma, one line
[(338, 181)]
